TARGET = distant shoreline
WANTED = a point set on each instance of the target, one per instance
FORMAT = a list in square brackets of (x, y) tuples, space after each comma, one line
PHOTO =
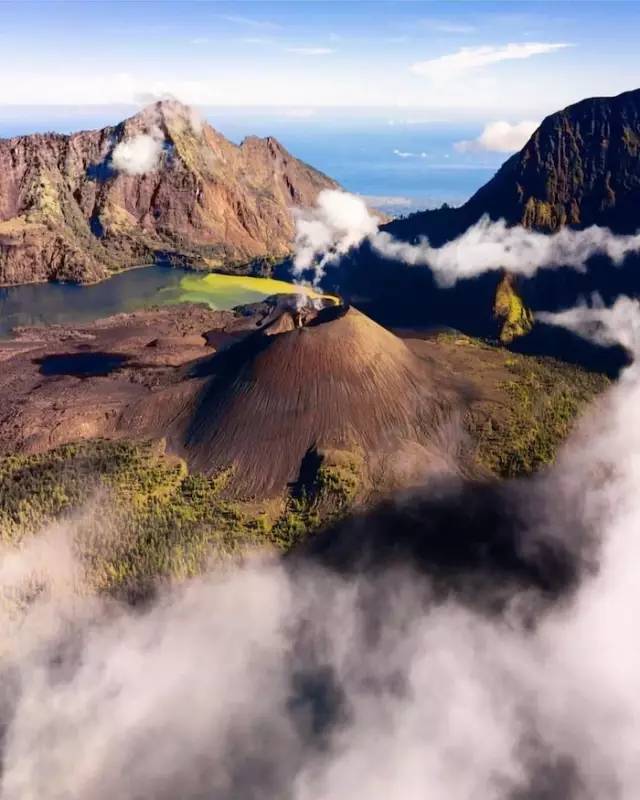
[(86, 283), (187, 267)]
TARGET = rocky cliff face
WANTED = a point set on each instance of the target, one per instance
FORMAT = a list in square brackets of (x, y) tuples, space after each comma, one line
[(581, 167), (162, 182)]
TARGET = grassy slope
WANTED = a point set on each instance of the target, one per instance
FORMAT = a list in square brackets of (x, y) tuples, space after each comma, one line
[(508, 307), (156, 520), (526, 405), (147, 517)]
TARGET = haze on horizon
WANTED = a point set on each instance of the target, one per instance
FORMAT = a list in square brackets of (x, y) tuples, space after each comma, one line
[(485, 61)]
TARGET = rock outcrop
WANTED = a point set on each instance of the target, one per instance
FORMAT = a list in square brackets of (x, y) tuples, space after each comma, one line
[(71, 210), (581, 167)]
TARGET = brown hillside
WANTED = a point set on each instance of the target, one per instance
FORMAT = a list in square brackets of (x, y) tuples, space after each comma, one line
[(67, 213), (371, 403), (341, 383)]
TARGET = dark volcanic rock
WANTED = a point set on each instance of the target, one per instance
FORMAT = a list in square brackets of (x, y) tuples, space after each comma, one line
[(580, 168)]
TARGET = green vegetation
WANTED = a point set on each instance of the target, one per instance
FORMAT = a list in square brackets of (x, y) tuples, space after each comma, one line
[(523, 407), (517, 319), (543, 215), (298, 519), (135, 513), (45, 198), (333, 491), (338, 483), (631, 140), (453, 337), (540, 400)]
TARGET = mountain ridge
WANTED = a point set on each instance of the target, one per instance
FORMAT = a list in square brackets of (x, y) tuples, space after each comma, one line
[(68, 213), (581, 167), (581, 186)]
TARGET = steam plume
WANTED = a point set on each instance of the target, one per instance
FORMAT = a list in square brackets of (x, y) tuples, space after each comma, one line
[(339, 222), (343, 221)]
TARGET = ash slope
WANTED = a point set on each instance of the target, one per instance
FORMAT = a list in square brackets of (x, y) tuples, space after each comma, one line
[(250, 393), (65, 214), (245, 390), (341, 383)]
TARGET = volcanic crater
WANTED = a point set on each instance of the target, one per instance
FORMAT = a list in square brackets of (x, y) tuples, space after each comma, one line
[(339, 383)]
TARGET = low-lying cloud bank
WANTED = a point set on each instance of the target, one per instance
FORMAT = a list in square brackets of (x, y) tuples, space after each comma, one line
[(618, 324), (341, 221), (296, 682)]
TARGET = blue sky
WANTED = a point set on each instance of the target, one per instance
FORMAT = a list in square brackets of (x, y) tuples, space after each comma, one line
[(510, 60)]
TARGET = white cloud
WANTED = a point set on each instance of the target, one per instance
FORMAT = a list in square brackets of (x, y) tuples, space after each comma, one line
[(298, 113), (444, 26), (141, 153), (249, 22), (489, 245), (407, 154), (342, 221), (499, 137), (256, 40), (618, 324), (339, 222), (138, 155), (275, 84), (310, 51), (469, 59)]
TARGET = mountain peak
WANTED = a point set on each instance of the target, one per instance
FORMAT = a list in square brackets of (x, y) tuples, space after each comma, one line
[(166, 115), (80, 207), (341, 383)]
